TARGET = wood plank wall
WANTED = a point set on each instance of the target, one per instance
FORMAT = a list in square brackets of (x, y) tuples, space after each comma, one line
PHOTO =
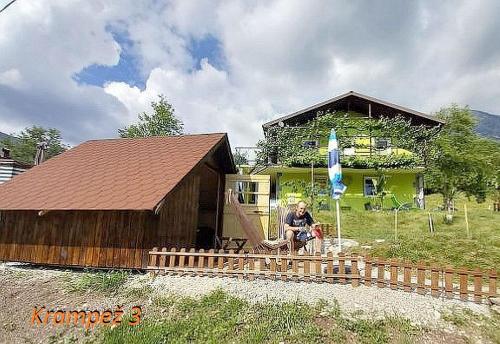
[(111, 239), (104, 239), (178, 218)]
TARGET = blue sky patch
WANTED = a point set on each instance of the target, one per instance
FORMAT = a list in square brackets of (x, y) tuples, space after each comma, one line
[(210, 48), (127, 69)]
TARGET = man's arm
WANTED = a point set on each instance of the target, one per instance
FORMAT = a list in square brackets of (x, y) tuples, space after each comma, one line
[(288, 223), (310, 221)]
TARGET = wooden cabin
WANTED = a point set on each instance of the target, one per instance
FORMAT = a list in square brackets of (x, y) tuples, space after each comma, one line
[(106, 203)]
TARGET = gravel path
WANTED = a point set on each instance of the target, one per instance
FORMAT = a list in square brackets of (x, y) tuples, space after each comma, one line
[(372, 301)]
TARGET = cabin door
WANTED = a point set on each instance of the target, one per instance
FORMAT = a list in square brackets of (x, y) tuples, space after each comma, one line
[(253, 194)]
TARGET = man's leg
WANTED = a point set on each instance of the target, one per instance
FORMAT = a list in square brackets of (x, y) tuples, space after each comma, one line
[(290, 236)]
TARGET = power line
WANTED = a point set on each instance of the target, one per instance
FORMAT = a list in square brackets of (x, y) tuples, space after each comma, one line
[(5, 7)]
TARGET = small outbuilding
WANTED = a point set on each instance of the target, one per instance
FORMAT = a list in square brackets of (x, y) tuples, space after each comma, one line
[(106, 203)]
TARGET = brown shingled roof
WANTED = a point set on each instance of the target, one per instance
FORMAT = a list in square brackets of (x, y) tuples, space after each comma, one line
[(114, 174)]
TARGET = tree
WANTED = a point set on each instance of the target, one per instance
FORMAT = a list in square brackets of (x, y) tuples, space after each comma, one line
[(462, 160), (240, 158), (162, 122), (24, 148)]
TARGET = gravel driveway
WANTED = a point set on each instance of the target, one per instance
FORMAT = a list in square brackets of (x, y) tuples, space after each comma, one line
[(373, 301)]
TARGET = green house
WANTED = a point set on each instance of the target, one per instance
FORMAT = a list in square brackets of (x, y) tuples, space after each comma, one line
[(402, 179)]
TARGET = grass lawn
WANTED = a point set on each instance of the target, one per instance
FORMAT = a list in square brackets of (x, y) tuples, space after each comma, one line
[(221, 318), (448, 245)]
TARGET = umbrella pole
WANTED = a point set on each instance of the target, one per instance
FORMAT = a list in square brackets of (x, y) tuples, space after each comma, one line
[(338, 224)]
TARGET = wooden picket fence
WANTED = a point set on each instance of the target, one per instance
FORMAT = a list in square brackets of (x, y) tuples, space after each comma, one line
[(421, 278)]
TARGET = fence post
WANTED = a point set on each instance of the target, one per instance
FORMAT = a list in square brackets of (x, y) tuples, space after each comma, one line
[(380, 273), (478, 285), (295, 269), (342, 267), (262, 265), (354, 271), (435, 280), (421, 278), (211, 261), (251, 266), (182, 259), (273, 265), (464, 290), (492, 285), (394, 273), (407, 276), (317, 267), (329, 267), (163, 259), (201, 262), (171, 261), (152, 260), (241, 266), (230, 264), (368, 270), (220, 263), (307, 268), (284, 268), (448, 281), (191, 261)]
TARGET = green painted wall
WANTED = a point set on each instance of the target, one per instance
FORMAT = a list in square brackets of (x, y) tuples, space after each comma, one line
[(401, 184)]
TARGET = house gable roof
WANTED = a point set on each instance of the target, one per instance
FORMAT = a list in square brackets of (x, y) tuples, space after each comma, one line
[(113, 174), (342, 102)]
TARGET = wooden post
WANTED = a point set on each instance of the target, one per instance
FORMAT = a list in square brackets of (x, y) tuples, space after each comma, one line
[(421, 278), (354, 271), (284, 268), (478, 285), (434, 280), (396, 224), (163, 259), (466, 221), (317, 267), (295, 269), (329, 267), (368, 271), (191, 261), (262, 265), (251, 266), (407, 276), (273, 266), (211, 261), (230, 264), (182, 259), (171, 261), (153, 258), (220, 263), (241, 267), (307, 269), (342, 267), (394, 273), (492, 285), (448, 281), (464, 290), (201, 262), (380, 273)]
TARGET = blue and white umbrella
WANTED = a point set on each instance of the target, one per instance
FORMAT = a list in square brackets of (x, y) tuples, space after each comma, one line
[(335, 175), (334, 168)]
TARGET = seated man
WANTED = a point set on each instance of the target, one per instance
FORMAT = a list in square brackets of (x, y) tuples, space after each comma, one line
[(297, 221)]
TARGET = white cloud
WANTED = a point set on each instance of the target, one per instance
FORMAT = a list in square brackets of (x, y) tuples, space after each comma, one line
[(12, 78), (279, 56)]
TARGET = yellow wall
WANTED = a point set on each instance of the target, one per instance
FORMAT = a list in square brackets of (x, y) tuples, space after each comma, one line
[(402, 184)]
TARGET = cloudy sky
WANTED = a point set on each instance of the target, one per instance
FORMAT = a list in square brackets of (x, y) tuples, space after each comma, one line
[(88, 67)]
